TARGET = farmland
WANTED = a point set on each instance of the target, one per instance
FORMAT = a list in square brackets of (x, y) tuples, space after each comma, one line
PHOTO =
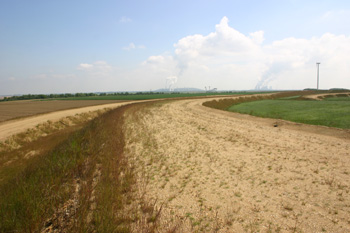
[(16, 109), (24, 108), (145, 96), (179, 166), (126, 95), (332, 112)]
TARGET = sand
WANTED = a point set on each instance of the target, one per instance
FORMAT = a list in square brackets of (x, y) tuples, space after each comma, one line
[(214, 171)]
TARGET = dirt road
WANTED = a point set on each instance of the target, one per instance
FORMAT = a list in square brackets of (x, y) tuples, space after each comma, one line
[(214, 171), (321, 96), (11, 127)]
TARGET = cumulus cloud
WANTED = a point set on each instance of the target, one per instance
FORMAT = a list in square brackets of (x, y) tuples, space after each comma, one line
[(257, 37), (85, 66), (132, 46), (228, 59), (164, 64), (96, 68)]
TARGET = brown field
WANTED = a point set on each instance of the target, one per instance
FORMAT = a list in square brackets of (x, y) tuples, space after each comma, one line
[(16, 109)]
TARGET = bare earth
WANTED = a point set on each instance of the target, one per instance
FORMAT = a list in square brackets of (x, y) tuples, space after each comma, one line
[(214, 171), (320, 96), (11, 127), (16, 109)]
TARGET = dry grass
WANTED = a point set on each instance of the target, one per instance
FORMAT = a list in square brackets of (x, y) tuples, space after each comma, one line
[(225, 103), (47, 128), (79, 183)]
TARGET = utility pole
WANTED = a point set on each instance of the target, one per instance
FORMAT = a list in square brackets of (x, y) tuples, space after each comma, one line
[(318, 72)]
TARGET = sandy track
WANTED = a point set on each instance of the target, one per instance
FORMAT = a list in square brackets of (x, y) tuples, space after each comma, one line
[(11, 127), (320, 96), (219, 171)]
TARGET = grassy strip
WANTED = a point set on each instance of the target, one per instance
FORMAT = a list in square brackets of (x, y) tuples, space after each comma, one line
[(46, 128), (327, 113), (224, 104), (47, 181), (337, 99), (35, 193), (113, 189)]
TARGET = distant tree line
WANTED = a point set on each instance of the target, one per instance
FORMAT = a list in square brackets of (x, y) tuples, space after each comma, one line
[(69, 95)]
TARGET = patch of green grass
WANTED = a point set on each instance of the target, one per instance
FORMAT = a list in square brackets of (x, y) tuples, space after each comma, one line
[(225, 104), (327, 113), (338, 98), (290, 97), (34, 193)]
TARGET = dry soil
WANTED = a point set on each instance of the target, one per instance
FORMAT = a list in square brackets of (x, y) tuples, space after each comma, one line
[(214, 171), (16, 109)]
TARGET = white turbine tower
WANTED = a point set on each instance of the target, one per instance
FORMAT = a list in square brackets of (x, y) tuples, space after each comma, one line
[(318, 72)]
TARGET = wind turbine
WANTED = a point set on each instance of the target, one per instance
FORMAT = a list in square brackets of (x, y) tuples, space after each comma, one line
[(318, 72)]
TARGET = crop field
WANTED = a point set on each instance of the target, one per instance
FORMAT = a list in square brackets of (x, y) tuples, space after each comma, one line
[(16, 109), (145, 96), (180, 166), (333, 112)]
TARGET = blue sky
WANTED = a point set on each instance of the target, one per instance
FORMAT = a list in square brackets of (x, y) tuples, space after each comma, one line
[(87, 46)]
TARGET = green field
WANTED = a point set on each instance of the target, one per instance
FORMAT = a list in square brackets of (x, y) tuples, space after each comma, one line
[(338, 99), (140, 96), (334, 112), (122, 95), (152, 96)]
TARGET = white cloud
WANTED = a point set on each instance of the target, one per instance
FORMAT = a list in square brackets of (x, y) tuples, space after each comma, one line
[(132, 46), (257, 37), (96, 68), (125, 19), (336, 15), (229, 59), (162, 64), (225, 59), (84, 66)]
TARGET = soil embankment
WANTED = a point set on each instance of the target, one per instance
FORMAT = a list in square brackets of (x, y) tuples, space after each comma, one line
[(209, 170)]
